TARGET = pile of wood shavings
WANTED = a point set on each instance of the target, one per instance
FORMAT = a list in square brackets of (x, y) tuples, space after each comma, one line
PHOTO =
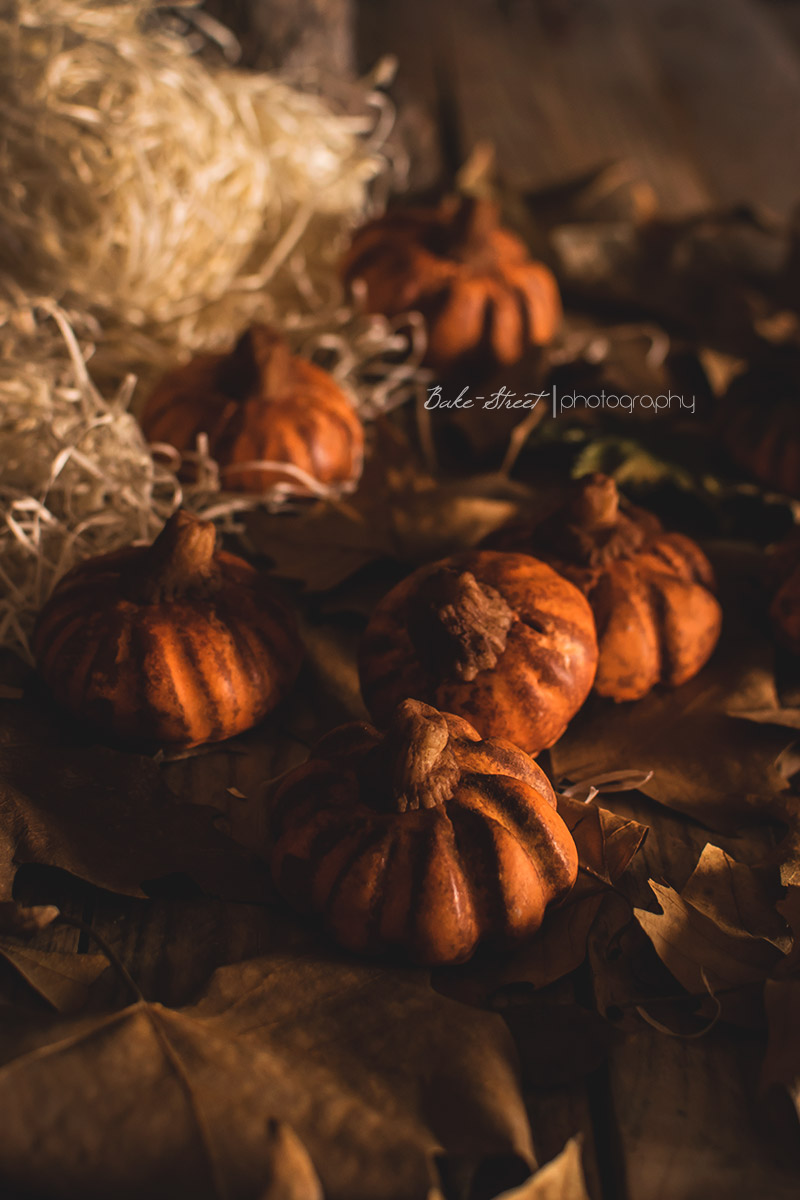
[(175, 201), (151, 205), (138, 182), (77, 477)]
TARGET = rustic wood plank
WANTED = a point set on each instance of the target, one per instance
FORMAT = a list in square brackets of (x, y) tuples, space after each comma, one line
[(701, 95), (731, 80), (562, 88), (686, 1117), (408, 32)]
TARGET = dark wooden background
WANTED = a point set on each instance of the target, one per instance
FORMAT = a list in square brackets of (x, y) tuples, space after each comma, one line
[(703, 96)]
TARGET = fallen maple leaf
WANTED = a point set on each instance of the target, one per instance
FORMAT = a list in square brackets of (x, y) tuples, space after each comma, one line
[(105, 816), (378, 1075), (738, 899), (700, 953), (139, 1103)]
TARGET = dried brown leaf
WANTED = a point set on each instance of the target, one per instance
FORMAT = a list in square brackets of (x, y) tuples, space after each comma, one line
[(691, 944), (377, 1074), (105, 816), (736, 898), (606, 842), (138, 1103)]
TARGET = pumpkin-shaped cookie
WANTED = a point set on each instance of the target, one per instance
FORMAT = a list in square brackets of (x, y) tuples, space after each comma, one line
[(425, 840), (260, 406), (484, 300), (500, 639), (175, 643), (651, 591)]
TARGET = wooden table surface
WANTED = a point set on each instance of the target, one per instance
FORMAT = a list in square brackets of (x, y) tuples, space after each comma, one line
[(704, 97)]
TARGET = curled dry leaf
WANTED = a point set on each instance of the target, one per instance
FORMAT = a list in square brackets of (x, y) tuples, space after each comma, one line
[(691, 944), (736, 898), (105, 816), (376, 1073), (606, 842), (619, 955)]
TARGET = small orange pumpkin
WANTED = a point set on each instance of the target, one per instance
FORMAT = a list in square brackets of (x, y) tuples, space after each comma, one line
[(499, 639), (425, 840), (650, 591), (173, 643), (260, 404), (761, 426), (484, 300)]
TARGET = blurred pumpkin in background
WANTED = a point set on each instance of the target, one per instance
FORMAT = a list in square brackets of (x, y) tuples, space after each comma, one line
[(260, 403), (484, 300)]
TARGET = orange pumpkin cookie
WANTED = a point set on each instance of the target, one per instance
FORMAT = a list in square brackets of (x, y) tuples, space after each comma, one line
[(425, 840)]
